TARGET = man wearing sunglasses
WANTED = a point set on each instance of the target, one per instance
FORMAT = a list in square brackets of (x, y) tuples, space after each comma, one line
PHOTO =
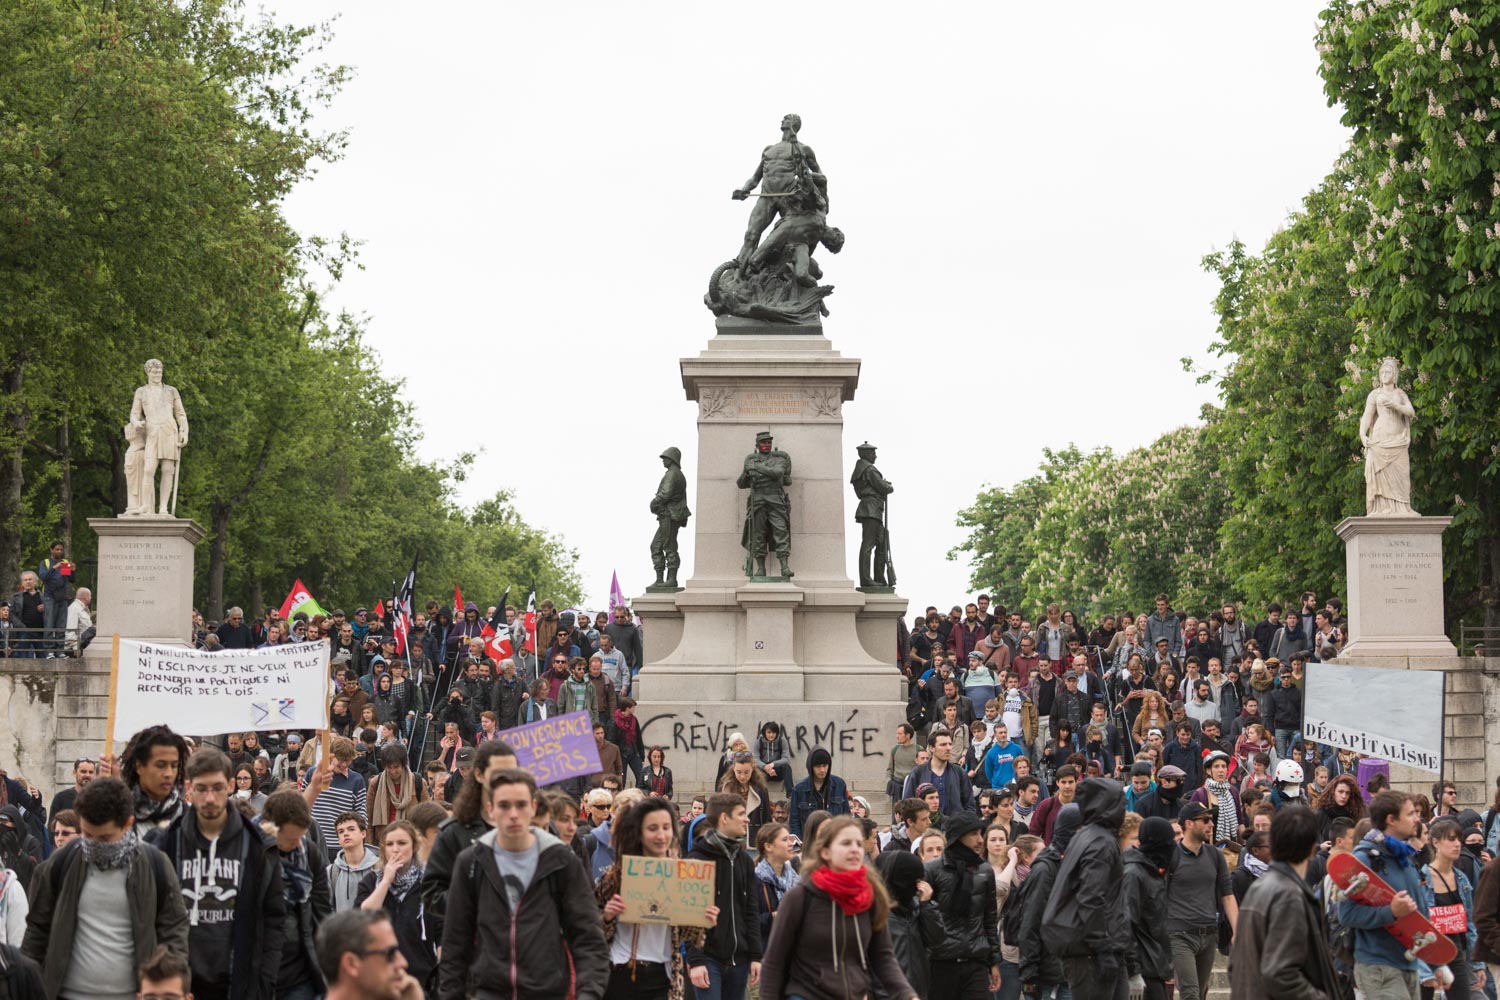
[(361, 960)]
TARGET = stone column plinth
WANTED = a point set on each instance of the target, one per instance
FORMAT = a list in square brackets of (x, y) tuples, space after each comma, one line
[(725, 654), (1395, 567), (145, 578)]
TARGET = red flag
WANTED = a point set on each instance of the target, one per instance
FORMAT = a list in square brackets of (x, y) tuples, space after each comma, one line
[(298, 597), (497, 645), (528, 621), (379, 609), (458, 602)]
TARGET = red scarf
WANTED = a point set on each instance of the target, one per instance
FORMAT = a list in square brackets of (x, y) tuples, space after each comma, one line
[(850, 889)]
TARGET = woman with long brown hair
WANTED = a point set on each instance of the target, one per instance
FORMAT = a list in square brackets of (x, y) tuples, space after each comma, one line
[(646, 960), (1154, 714), (744, 779), (830, 939), (1340, 798)]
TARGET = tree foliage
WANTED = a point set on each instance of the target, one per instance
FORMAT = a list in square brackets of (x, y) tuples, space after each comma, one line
[(1283, 430), (1395, 253), (1101, 532), (1420, 87), (145, 150)]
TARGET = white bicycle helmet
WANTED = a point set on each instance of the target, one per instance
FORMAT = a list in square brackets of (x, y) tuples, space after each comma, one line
[(1289, 772)]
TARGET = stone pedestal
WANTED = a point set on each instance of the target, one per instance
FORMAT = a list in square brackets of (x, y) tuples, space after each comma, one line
[(145, 578), (813, 653), (1395, 567), (1395, 572)]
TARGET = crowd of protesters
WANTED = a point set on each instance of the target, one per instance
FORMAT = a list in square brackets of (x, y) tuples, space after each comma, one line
[(1072, 813)]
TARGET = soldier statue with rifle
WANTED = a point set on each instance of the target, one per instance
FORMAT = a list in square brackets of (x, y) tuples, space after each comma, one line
[(768, 512), (875, 569), (671, 510)]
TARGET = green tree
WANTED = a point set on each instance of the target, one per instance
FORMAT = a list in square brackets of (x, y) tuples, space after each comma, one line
[(144, 149), (1100, 532), (1000, 523), (1283, 430), (1420, 89)]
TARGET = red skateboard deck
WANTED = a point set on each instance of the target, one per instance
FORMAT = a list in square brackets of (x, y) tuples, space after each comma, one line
[(1414, 931)]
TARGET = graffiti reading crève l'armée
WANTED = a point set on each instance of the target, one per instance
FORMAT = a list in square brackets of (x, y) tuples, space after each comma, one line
[(697, 732)]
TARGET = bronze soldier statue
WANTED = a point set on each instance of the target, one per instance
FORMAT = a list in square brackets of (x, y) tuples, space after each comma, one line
[(875, 540), (766, 474), (671, 510)]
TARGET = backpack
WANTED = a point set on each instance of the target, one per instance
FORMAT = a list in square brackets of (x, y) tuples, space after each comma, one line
[(20, 977), (600, 854), (1340, 938), (916, 709), (1010, 917)]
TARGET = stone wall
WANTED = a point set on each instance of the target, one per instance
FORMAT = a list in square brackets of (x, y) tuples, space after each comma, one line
[(54, 714)]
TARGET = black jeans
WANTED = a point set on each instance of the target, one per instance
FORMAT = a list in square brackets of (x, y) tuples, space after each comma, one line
[(960, 980), (649, 982)]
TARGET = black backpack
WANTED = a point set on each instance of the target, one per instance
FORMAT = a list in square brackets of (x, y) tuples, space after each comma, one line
[(1010, 917), (916, 709), (20, 977)]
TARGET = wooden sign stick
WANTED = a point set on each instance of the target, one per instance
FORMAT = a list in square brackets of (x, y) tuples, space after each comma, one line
[(114, 681)]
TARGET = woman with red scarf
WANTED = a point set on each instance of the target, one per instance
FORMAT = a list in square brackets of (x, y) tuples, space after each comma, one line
[(830, 939)]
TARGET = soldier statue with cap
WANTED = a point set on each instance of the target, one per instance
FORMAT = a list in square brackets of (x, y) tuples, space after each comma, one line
[(874, 541), (671, 510), (766, 475)]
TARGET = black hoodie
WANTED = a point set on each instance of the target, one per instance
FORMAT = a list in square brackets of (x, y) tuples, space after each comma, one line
[(1144, 899), (1083, 910), (1039, 961), (235, 902)]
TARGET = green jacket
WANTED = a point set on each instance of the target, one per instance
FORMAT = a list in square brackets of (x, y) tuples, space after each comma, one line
[(156, 909)]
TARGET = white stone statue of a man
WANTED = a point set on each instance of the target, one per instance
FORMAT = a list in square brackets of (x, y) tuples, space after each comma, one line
[(157, 432), (1385, 431)]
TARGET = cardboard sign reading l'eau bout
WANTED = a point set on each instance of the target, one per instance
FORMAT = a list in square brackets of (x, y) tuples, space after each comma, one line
[(674, 891)]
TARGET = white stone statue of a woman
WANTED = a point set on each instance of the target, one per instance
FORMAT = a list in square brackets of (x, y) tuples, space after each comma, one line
[(1385, 431)]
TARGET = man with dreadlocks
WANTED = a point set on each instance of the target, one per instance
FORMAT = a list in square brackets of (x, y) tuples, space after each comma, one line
[(151, 768)]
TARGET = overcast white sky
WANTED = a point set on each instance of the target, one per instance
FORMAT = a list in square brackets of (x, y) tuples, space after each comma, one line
[(543, 189)]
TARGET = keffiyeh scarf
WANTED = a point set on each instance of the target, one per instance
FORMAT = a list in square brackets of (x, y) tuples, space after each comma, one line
[(1228, 825), (406, 880), (111, 855), (148, 810)]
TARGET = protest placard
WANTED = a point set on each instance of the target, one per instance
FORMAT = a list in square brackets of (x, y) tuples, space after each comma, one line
[(235, 690), (556, 749), (675, 891), (1396, 715)]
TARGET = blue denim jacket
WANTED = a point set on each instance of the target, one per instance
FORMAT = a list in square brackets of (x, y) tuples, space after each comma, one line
[(1465, 893), (1373, 944)]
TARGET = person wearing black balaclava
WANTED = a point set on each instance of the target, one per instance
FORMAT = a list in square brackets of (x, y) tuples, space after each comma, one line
[(966, 962), (1144, 897), (1471, 832), (19, 850), (1083, 910), (1041, 969), (1166, 801), (914, 922)]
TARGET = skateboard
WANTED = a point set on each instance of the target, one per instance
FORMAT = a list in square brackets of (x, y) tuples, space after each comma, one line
[(1414, 931)]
